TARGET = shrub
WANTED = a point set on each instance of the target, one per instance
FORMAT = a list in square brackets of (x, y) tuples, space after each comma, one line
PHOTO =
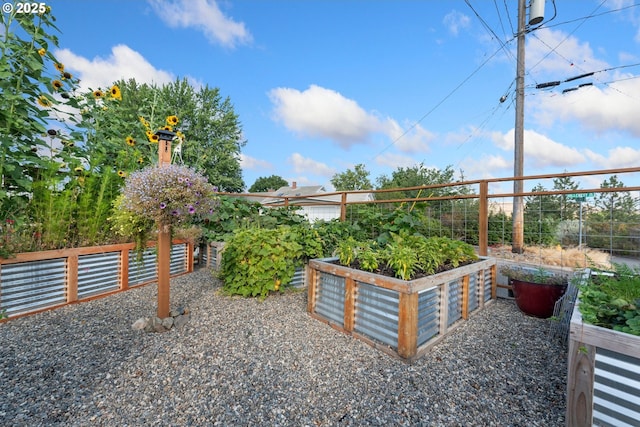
[(256, 261)]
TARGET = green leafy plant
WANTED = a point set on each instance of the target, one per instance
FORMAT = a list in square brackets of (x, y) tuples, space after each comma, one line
[(539, 275), (612, 300), (256, 261)]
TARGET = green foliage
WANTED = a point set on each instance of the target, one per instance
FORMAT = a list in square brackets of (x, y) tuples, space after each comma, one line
[(256, 261), (232, 213), (406, 255), (266, 183), (356, 179), (333, 232), (613, 300), (535, 275)]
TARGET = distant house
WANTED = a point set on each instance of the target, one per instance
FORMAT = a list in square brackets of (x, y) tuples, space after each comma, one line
[(316, 204)]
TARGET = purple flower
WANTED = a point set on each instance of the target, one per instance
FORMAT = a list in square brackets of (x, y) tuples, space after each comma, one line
[(163, 205), (192, 210), (175, 212)]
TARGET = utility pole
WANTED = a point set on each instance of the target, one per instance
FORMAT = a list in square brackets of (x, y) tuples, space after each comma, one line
[(517, 239)]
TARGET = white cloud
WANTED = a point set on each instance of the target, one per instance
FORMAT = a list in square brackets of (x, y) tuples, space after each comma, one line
[(455, 21), (414, 140), (306, 165), (248, 162), (320, 112), (325, 113), (205, 16), (618, 157), (560, 55), (485, 166), (540, 151), (613, 108), (395, 161), (123, 63)]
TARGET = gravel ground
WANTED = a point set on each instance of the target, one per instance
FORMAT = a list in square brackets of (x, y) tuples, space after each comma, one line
[(245, 362)]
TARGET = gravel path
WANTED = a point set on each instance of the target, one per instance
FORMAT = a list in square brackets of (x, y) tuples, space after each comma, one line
[(245, 362)]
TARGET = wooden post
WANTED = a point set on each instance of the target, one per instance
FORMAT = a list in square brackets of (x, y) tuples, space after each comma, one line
[(408, 325), (343, 207), (465, 297), (164, 233), (580, 377), (164, 264), (483, 220), (189, 259), (124, 268), (444, 308), (349, 304), (72, 278)]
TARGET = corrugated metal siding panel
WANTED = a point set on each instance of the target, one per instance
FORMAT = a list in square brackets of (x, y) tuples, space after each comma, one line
[(299, 275), (428, 314), (213, 262), (455, 301), (330, 297), (616, 390), (376, 313), (178, 258), (473, 292), (98, 273), (144, 270), (28, 286), (487, 283)]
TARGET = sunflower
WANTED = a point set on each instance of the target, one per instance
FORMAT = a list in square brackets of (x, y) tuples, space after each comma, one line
[(122, 174), (130, 141), (140, 160), (44, 101), (149, 133), (115, 93), (169, 128), (57, 84), (59, 67), (154, 139), (98, 94), (66, 75), (172, 120), (42, 51), (78, 170)]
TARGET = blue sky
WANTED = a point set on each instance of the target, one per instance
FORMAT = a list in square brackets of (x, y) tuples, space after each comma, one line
[(320, 86)]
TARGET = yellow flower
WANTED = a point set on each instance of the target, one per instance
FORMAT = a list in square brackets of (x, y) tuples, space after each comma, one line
[(153, 139), (122, 174), (105, 108), (81, 179), (66, 75), (149, 133), (57, 84), (68, 144), (172, 120), (98, 94), (130, 141), (180, 135), (115, 93), (44, 101), (42, 51), (59, 67), (78, 169), (140, 160), (169, 128)]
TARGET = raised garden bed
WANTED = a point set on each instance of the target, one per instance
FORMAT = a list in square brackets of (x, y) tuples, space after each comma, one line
[(402, 318), (603, 381)]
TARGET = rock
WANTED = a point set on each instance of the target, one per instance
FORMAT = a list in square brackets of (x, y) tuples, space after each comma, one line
[(140, 324), (157, 326), (180, 321), (167, 322)]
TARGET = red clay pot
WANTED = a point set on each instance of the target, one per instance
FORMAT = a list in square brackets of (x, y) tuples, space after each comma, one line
[(536, 299)]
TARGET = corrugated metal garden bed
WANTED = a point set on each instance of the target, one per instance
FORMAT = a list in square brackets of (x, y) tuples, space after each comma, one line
[(401, 318)]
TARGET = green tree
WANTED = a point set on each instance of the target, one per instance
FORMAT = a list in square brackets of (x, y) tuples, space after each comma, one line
[(416, 176), (356, 179), (266, 183), (614, 225)]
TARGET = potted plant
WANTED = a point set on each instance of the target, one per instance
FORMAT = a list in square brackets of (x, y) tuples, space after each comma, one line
[(536, 290)]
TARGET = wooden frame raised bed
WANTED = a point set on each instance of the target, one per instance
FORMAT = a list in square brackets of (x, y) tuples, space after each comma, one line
[(603, 379), (401, 318)]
